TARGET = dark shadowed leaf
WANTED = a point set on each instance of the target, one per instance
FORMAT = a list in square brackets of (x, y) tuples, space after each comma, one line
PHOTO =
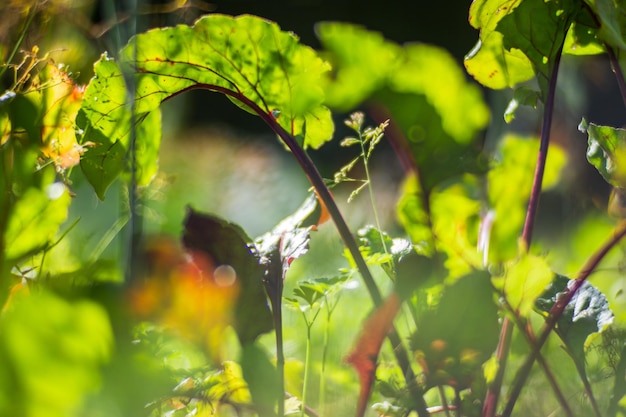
[(227, 244), (262, 379), (457, 335), (587, 313)]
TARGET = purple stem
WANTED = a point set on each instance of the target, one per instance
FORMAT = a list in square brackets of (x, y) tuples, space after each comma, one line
[(506, 332)]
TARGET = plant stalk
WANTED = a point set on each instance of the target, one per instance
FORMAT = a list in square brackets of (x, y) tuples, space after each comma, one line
[(307, 359), (323, 193), (557, 310), (506, 332)]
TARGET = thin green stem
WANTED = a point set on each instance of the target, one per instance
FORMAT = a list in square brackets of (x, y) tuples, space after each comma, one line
[(322, 398), (307, 360), (370, 189), (557, 310), (506, 332)]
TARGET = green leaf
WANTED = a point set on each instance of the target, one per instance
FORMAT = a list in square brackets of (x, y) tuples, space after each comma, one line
[(104, 119), (247, 58), (262, 379), (35, 220), (50, 354), (519, 40), (582, 38), (432, 72), (457, 335), (523, 282), (313, 290), (362, 61), (523, 96), (612, 21), (227, 244), (420, 87), (509, 190), (606, 150), (587, 313)]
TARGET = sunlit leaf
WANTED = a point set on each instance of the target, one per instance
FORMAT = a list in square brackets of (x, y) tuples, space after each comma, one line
[(459, 333), (226, 244), (419, 87), (518, 40), (104, 120), (455, 212), (606, 150), (245, 57), (362, 61), (51, 351), (587, 313), (510, 181), (523, 282), (35, 220)]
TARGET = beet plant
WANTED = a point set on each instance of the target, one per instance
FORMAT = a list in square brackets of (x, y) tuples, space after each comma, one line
[(463, 299)]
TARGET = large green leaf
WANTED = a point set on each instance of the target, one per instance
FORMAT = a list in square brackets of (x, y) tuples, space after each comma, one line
[(518, 40), (104, 120), (50, 354), (587, 313), (249, 59), (419, 87), (606, 151), (362, 62), (510, 181)]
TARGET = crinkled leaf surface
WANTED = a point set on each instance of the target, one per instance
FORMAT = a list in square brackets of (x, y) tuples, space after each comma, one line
[(606, 150), (227, 244), (455, 336), (518, 40), (288, 241), (587, 313)]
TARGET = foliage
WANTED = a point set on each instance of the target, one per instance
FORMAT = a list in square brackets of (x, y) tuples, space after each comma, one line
[(188, 331)]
